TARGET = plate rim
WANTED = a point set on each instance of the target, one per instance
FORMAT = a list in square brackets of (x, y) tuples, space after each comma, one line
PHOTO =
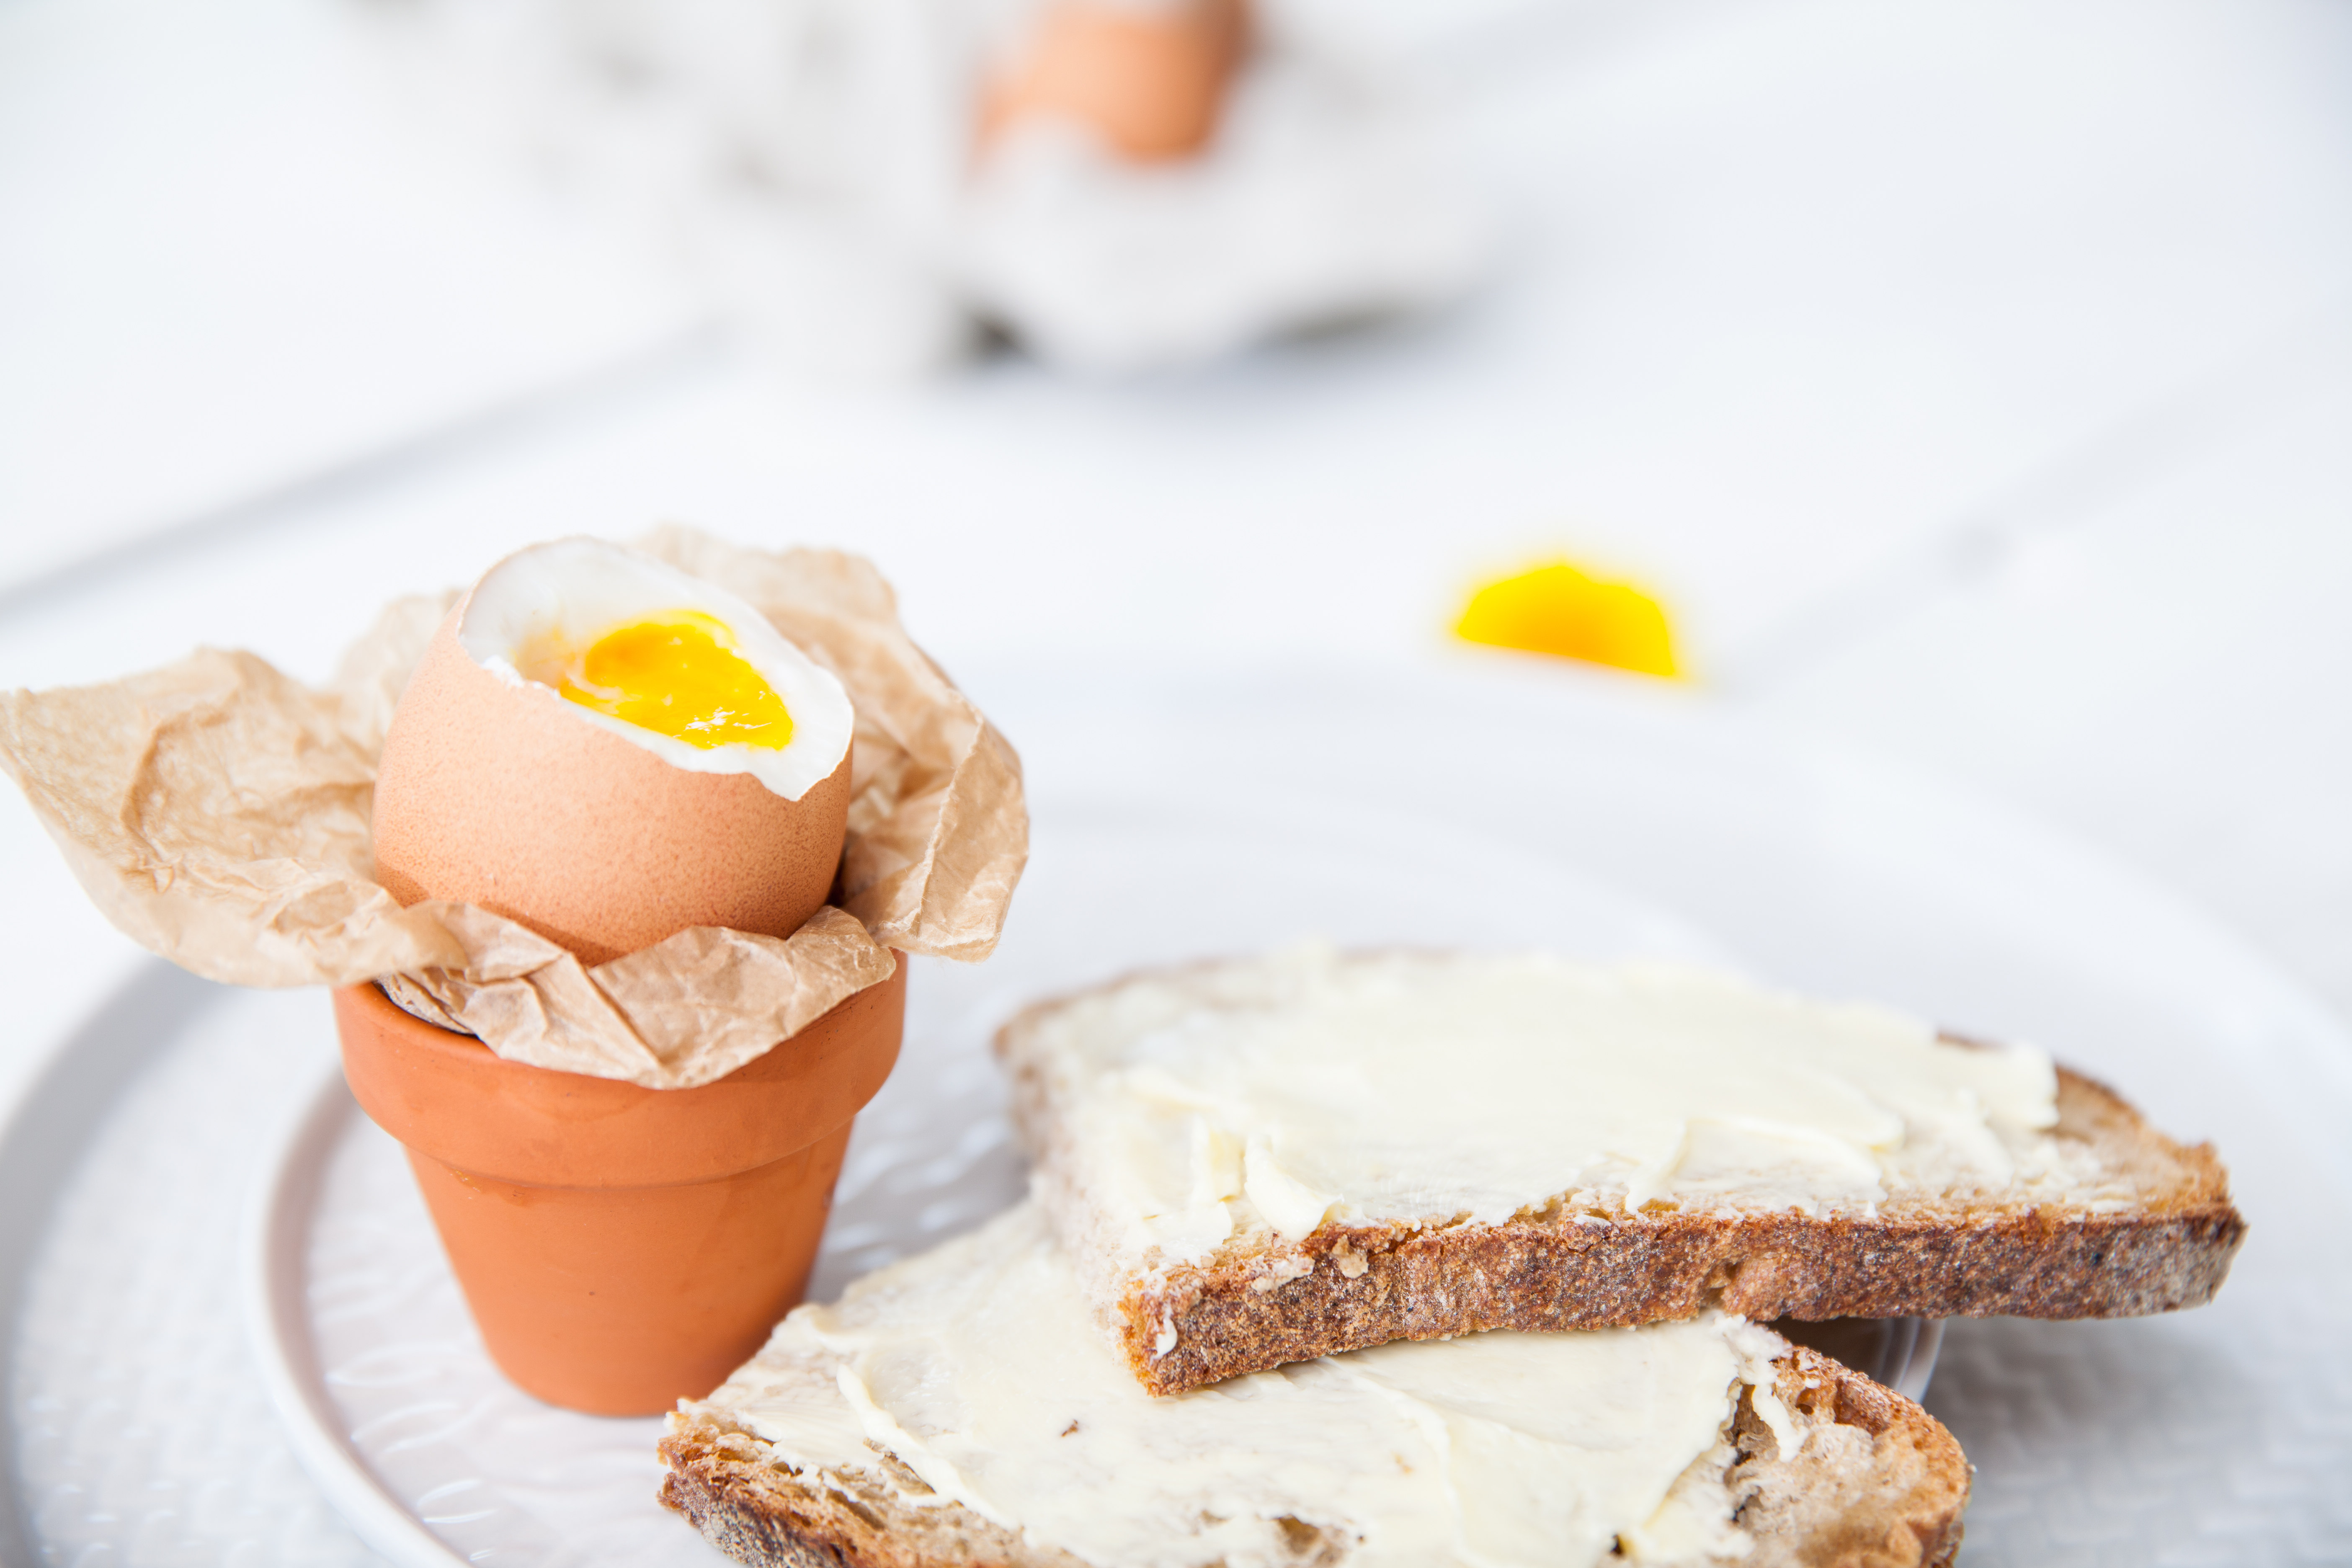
[(272, 1266)]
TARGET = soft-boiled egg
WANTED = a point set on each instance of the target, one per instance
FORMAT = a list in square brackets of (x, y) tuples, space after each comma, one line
[(1562, 609), (610, 751)]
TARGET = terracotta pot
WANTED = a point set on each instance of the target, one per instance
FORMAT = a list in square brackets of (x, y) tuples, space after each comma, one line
[(623, 1247)]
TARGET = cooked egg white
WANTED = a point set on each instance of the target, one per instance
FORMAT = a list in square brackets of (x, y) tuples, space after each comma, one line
[(662, 660)]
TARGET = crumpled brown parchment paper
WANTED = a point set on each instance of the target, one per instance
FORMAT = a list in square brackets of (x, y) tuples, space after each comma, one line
[(217, 811)]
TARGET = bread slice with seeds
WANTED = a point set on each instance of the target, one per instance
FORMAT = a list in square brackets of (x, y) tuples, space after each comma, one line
[(1150, 1105)]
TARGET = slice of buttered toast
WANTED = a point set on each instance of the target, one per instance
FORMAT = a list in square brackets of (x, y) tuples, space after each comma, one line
[(1262, 1162), (961, 1409)]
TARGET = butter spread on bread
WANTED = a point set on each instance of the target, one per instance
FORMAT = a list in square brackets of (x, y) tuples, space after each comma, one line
[(1271, 1159), (977, 1369), (1419, 1088)]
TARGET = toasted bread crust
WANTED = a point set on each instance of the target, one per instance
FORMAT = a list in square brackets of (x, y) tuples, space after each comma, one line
[(1876, 1482), (1368, 1285), (732, 1488)]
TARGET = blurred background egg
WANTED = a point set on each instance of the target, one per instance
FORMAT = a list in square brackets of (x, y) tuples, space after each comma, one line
[(610, 751), (1559, 608), (1148, 79)]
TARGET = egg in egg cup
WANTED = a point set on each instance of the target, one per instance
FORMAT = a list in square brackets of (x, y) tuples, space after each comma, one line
[(609, 750)]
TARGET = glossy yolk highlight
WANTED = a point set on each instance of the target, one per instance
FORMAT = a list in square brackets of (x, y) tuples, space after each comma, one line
[(1558, 609), (676, 673)]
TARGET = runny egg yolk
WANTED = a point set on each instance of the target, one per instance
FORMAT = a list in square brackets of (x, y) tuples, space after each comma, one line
[(676, 673)]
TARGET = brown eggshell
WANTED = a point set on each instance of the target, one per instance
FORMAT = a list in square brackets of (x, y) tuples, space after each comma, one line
[(503, 796), (1150, 83)]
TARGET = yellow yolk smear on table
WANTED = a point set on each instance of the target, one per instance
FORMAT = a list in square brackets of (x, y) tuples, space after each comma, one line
[(1558, 609), (676, 673)]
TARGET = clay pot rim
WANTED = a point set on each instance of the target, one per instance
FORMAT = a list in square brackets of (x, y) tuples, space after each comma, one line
[(451, 1097), (473, 1051)]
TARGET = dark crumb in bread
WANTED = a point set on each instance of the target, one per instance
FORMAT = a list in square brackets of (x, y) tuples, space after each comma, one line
[(1347, 1287), (1876, 1482)]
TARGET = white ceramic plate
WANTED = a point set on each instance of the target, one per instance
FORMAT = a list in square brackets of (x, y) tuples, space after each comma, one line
[(393, 1406), (1178, 818)]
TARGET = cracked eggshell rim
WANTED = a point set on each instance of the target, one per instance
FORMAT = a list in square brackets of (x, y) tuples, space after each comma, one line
[(576, 590)]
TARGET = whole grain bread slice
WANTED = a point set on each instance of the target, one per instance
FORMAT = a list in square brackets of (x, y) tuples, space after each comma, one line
[(1874, 1482), (2158, 1235)]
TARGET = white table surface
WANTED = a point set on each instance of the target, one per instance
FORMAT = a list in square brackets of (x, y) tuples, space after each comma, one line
[(1974, 378)]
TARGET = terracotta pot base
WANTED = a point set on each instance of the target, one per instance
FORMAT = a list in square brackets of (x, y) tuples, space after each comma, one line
[(623, 1247), (620, 1301)]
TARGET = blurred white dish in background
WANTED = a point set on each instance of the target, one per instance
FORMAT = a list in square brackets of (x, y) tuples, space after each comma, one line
[(812, 163), (1320, 201)]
